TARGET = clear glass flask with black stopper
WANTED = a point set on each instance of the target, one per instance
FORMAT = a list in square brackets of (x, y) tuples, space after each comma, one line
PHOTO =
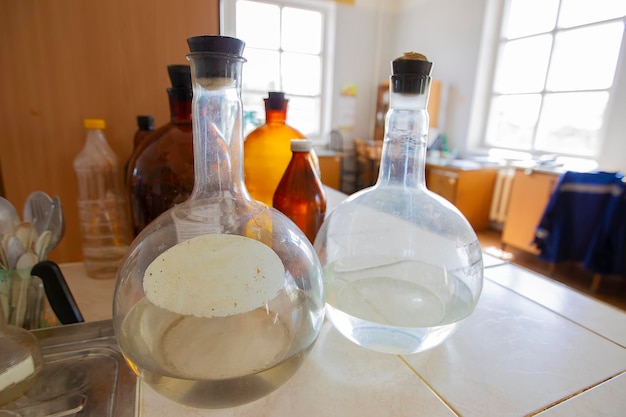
[(402, 266), (220, 298)]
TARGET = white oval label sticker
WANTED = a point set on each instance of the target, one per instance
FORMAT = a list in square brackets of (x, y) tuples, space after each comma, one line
[(214, 275)]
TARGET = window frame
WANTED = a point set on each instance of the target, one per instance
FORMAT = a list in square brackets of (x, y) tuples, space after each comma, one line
[(328, 11), (494, 40)]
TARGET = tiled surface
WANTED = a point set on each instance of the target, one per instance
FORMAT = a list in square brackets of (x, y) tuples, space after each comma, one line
[(338, 379), (597, 402), (532, 347), (514, 357), (597, 316)]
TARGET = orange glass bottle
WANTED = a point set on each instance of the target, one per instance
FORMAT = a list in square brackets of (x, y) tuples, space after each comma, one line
[(160, 171), (267, 150), (300, 194)]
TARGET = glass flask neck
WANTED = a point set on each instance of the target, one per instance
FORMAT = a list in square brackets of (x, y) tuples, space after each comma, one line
[(403, 156), (276, 116), (180, 105), (217, 126)]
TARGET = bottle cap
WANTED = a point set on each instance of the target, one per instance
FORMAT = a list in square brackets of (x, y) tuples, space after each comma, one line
[(216, 44), (301, 145), (145, 122), (180, 76), (410, 73), (275, 101), (94, 124), (215, 56)]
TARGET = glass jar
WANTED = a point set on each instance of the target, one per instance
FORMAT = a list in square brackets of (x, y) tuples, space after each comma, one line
[(402, 266), (227, 292)]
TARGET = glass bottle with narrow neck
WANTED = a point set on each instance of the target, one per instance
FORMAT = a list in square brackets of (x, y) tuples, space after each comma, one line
[(402, 266), (160, 169), (227, 291), (267, 150)]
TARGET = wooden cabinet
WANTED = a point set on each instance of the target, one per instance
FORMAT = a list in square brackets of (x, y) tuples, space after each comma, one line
[(470, 190), (530, 193), (330, 168)]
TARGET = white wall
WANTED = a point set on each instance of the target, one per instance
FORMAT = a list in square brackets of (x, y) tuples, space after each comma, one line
[(371, 33)]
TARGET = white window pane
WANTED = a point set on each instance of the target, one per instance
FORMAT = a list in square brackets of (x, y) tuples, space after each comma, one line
[(530, 17), (258, 24), (304, 114), (302, 31), (512, 121), (302, 74), (523, 65), (262, 71), (570, 123), (578, 12), (585, 58)]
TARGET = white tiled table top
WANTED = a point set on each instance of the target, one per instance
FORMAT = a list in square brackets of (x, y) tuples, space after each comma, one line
[(533, 347)]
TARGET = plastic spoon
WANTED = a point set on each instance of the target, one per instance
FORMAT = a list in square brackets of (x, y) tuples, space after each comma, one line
[(8, 217), (37, 210), (14, 250)]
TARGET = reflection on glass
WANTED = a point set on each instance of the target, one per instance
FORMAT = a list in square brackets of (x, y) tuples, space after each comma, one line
[(301, 73), (585, 59), (262, 70), (512, 121), (529, 17), (578, 12), (522, 68), (570, 123), (302, 30), (251, 16)]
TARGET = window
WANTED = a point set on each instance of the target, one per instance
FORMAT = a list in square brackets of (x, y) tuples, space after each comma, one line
[(554, 73), (288, 48)]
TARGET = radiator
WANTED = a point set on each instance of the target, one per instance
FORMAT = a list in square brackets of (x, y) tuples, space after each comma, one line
[(501, 193)]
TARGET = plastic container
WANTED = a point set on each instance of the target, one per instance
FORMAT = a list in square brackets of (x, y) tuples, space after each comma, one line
[(267, 150), (402, 266), (227, 292), (102, 207), (300, 194), (160, 170)]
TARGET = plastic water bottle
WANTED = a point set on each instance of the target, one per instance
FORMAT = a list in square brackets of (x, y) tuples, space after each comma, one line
[(102, 208)]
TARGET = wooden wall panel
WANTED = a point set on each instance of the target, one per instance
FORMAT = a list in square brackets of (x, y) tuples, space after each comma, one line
[(63, 61)]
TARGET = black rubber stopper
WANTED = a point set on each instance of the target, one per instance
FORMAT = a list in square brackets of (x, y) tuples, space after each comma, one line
[(145, 122), (275, 101), (180, 76), (410, 76), (216, 44)]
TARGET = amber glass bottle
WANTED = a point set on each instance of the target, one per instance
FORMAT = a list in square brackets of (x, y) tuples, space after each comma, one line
[(145, 125), (267, 150), (300, 194), (160, 172)]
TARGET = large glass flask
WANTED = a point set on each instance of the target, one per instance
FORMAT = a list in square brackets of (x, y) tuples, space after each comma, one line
[(220, 298), (402, 266)]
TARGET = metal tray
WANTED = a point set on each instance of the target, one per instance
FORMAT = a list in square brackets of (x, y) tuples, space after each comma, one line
[(84, 375)]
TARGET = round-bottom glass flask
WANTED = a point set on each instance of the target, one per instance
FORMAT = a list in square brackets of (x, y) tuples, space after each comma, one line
[(402, 266), (220, 298)]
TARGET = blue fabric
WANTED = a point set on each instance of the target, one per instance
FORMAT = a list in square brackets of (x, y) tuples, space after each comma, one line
[(585, 221)]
